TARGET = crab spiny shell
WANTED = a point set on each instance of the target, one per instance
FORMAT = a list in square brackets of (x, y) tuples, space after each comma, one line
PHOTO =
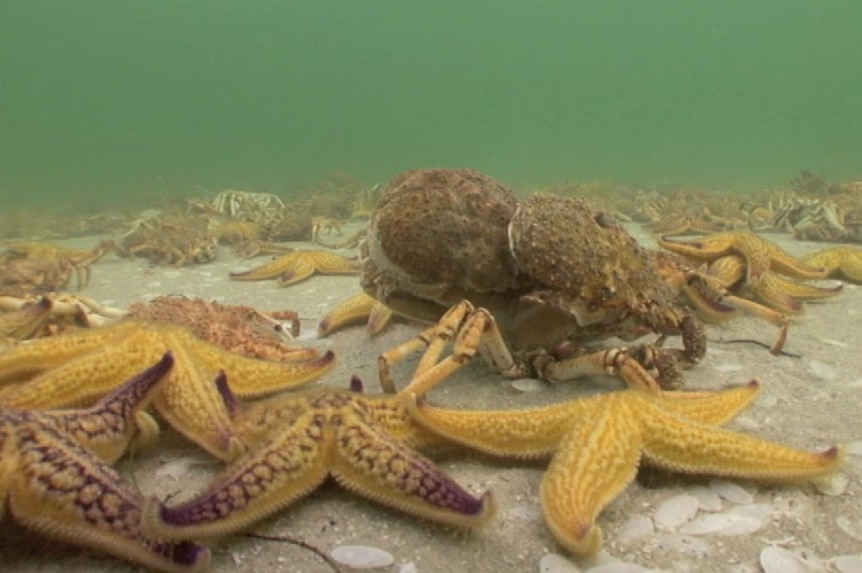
[(438, 230)]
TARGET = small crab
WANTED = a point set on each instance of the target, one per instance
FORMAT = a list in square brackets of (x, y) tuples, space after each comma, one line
[(554, 273)]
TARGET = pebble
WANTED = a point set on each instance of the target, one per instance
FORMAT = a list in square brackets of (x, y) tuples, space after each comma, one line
[(676, 510), (553, 563), (822, 370), (722, 524), (730, 491), (361, 556), (409, 567), (847, 563), (779, 560)]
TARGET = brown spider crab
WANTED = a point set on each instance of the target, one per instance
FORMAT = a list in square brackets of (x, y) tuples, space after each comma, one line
[(553, 273)]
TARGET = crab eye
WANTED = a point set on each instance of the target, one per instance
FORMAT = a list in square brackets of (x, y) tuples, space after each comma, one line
[(608, 292)]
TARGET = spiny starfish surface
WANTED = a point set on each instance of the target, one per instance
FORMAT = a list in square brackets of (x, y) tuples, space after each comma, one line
[(596, 444), (56, 481), (76, 369), (297, 266), (760, 255), (366, 443)]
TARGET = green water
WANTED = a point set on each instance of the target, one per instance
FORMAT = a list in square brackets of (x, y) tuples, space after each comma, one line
[(104, 99)]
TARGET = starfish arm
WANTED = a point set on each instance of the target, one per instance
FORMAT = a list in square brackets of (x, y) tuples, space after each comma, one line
[(677, 444), (525, 434), (712, 408), (269, 478), (303, 268), (786, 264), (350, 311), (310, 262), (270, 270), (702, 248), (109, 425), (372, 464), (65, 492), (595, 462), (191, 404), (804, 291), (851, 266), (838, 261), (251, 377), (380, 317), (22, 362), (83, 380), (727, 271), (757, 253)]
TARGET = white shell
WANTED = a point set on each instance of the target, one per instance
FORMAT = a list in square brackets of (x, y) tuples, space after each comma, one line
[(823, 371), (553, 563), (730, 491), (617, 567), (707, 499), (779, 560), (833, 485), (361, 556), (634, 528), (721, 524), (676, 510), (727, 367), (529, 385)]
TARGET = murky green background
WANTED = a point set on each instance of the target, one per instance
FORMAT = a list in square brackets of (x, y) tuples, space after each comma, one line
[(103, 99)]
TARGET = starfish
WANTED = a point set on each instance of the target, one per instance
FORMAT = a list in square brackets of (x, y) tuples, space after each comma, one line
[(55, 477), (596, 444), (76, 369), (296, 266), (760, 255), (366, 443), (839, 262), (774, 290)]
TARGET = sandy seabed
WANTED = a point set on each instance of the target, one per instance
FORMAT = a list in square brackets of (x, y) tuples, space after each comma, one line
[(810, 400)]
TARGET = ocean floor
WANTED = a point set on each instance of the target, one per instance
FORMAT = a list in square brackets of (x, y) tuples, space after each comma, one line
[(812, 399)]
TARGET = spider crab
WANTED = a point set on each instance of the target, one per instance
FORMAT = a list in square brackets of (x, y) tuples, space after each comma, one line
[(553, 273)]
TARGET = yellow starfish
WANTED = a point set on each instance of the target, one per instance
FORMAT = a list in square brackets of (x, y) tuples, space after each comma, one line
[(596, 444), (55, 478), (774, 290), (77, 368), (839, 262), (297, 266), (366, 443), (760, 255)]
